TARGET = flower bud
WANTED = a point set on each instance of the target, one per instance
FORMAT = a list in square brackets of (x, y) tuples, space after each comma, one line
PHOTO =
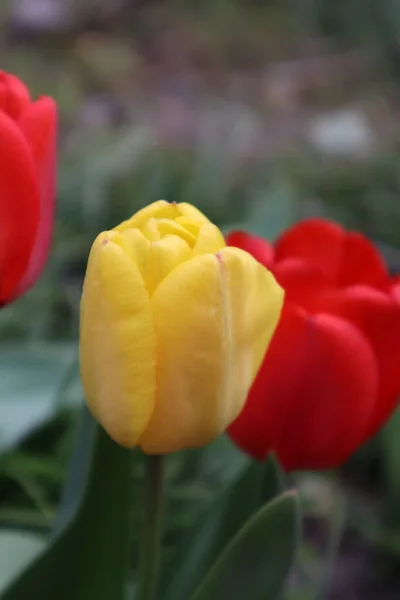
[(27, 182), (174, 326)]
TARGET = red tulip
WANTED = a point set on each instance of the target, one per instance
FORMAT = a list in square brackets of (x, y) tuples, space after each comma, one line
[(331, 376), (27, 182)]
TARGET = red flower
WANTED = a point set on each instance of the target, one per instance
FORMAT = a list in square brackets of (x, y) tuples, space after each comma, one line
[(331, 377), (27, 182)]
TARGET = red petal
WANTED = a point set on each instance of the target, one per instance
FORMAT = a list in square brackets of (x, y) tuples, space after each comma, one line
[(313, 396), (301, 281), (19, 207), (395, 286), (362, 264), (259, 248), (345, 258), (14, 95), (377, 314), (38, 124), (316, 241)]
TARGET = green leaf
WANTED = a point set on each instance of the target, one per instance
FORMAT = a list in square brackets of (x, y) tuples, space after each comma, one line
[(89, 554), (24, 519), (254, 485), (257, 562), (17, 550), (273, 479), (30, 377)]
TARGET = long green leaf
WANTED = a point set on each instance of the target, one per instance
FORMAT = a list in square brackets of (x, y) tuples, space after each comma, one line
[(30, 375), (257, 562), (17, 549), (89, 555), (254, 485)]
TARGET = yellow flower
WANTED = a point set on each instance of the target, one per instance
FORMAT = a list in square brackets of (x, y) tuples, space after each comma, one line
[(174, 326)]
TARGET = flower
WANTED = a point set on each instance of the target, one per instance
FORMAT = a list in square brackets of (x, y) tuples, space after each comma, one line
[(27, 182), (174, 326), (331, 377)]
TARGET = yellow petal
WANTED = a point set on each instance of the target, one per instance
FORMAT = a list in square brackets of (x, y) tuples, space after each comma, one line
[(210, 344), (159, 209), (117, 343), (191, 224), (136, 246), (209, 239), (150, 230), (167, 226), (187, 210), (253, 301), (164, 256)]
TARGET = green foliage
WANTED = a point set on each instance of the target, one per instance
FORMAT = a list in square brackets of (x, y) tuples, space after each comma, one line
[(361, 20), (32, 379), (200, 546), (17, 550), (88, 555), (258, 560)]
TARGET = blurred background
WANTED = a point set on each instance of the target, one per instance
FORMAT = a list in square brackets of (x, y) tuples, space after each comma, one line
[(260, 112)]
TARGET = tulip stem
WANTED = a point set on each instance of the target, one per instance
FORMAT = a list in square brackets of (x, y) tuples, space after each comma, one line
[(152, 526)]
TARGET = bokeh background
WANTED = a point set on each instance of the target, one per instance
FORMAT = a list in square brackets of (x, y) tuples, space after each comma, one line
[(260, 112)]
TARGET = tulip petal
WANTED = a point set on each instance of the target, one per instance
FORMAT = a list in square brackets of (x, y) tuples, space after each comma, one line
[(190, 224), (157, 210), (259, 248), (395, 286), (187, 210), (162, 227), (165, 255), (377, 315), (14, 95), (140, 218), (38, 124), (345, 258), (302, 282), (19, 207), (136, 246), (162, 210), (255, 300), (117, 342), (317, 242), (209, 239), (362, 263), (213, 316), (155, 260), (314, 394)]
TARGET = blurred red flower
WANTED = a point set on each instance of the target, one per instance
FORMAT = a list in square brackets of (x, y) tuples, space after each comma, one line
[(27, 185), (331, 377)]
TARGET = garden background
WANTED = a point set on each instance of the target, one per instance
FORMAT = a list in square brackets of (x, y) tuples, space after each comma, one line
[(259, 112)]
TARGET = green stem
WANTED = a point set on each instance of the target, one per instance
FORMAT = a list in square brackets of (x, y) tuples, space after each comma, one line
[(152, 525)]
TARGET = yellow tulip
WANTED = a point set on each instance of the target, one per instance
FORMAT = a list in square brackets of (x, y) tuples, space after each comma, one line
[(174, 326)]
